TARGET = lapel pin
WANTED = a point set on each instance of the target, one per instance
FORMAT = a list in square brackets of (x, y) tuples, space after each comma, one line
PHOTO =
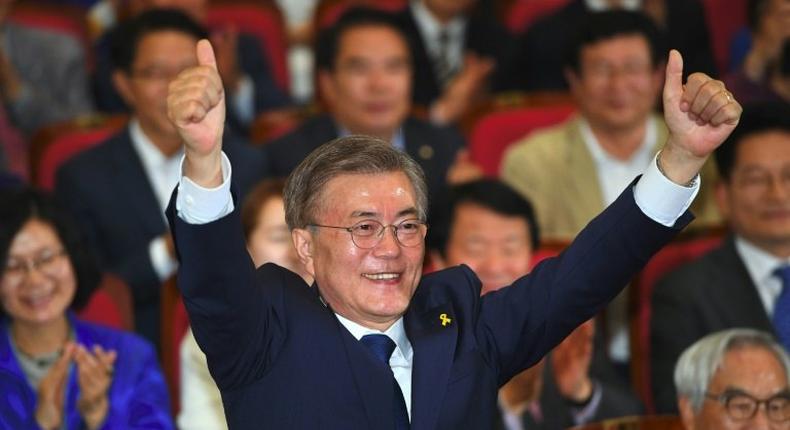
[(445, 319)]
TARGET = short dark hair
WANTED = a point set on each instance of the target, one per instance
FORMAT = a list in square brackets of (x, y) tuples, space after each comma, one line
[(329, 41), (600, 26), (126, 38), (756, 118), (491, 194), (18, 206), (755, 11)]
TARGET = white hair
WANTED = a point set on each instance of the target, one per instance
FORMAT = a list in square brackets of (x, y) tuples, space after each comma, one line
[(699, 362)]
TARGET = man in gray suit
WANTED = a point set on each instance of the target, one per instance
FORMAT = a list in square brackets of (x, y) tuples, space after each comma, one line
[(42, 75), (739, 284)]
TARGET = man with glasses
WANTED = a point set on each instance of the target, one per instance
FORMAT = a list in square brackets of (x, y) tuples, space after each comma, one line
[(118, 190), (373, 344), (734, 379)]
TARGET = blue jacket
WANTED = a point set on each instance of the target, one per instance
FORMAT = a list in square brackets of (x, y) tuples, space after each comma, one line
[(138, 394), (282, 360)]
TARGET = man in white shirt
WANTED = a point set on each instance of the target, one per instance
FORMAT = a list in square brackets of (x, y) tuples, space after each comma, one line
[(118, 191), (373, 345), (738, 284)]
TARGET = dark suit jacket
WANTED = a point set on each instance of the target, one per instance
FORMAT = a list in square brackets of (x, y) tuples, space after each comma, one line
[(485, 36), (431, 146), (711, 294), (107, 191), (538, 58), (281, 359)]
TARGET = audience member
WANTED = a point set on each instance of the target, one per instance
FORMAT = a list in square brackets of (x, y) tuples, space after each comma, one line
[(539, 53), (268, 240), (572, 171), (455, 47), (744, 282), (724, 380), (119, 190), (765, 72), (365, 77), (57, 370), (43, 78), (245, 70), (489, 227)]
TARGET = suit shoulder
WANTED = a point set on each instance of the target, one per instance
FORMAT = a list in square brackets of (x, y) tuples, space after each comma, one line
[(692, 275), (457, 284), (545, 145), (93, 159), (433, 134)]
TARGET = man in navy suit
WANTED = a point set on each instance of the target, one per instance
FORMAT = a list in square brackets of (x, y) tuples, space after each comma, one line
[(373, 344), (119, 189)]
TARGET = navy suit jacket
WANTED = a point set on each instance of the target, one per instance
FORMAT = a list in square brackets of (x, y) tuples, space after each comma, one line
[(107, 191), (282, 360), (710, 294)]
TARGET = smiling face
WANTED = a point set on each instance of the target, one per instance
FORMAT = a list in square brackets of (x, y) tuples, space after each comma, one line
[(495, 246), (756, 199), (617, 85), (371, 287), (270, 240), (37, 295), (369, 88)]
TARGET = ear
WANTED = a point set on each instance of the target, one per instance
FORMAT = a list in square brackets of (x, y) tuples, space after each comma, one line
[(123, 85), (436, 260), (326, 86), (303, 243), (572, 78), (687, 415), (722, 195)]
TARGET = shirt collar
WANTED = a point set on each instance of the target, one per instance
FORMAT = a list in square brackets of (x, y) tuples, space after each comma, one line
[(601, 156), (759, 263), (398, 141), (396, 332), (149, 154), (601, 5), (430, 27)]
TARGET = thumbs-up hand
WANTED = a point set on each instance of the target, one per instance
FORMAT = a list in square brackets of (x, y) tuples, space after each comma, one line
[(700, 115), (196, 105)]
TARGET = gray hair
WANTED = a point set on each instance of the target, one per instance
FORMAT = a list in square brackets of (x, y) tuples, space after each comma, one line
[(346, 155), (699, 362)]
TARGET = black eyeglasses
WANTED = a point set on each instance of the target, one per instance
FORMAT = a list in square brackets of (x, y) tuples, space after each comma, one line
[(368, 233), (743, 406)]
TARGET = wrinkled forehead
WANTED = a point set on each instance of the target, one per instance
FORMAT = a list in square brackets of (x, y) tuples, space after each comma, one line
[(374, 195)]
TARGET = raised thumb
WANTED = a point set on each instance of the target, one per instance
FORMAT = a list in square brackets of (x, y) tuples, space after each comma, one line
[(673, 86), (205, 54)]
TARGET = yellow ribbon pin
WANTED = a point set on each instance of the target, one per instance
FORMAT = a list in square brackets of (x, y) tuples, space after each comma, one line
[(444, 319)]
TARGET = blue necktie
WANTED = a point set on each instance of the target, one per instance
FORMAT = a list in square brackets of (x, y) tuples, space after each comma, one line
[(781, 318), (382, 346)]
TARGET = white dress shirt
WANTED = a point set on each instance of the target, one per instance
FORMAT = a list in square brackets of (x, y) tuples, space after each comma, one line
[(761, 266), (614, 175), (163, 174), (601, 5), (659, 198), (430, 29)]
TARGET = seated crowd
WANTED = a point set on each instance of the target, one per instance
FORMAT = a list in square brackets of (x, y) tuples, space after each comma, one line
[(421, 75)]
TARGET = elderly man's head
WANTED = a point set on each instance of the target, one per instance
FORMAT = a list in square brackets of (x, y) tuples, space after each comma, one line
[(614, 69), (734, 379), (754, 165), (357, 209)]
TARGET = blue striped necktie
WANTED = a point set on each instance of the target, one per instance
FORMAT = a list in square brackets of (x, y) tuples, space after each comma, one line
[(781, 317), (382, 346)]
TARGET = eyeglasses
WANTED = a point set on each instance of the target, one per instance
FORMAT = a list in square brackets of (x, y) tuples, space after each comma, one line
[(743, 406), (367, 234), (47, 262)]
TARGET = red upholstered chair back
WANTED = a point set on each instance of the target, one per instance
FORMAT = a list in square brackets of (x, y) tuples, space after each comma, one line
[(654, 422), (666, 260), (262, 20), (54, 145), (66, 19), (724, 19), (494, 132), (329, 11), (110, 305), (522, 13), (174, 325)]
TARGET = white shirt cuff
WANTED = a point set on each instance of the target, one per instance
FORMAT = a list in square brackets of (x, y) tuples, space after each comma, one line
[(199, 205), (661, 199), (244, 100), (163, 264)]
